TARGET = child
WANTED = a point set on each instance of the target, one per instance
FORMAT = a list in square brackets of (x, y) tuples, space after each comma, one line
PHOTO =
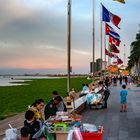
[(24, 133), (32, 123), (123, 94)]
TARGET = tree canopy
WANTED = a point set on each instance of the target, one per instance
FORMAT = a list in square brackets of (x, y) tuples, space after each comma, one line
[(135, 52)]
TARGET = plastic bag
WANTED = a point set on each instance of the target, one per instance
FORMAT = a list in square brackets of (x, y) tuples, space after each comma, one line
[(77, 134), (70, 135), (11, 134), (89, 127)]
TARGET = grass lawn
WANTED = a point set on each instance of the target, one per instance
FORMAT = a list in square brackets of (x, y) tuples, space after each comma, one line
[(15, 99)]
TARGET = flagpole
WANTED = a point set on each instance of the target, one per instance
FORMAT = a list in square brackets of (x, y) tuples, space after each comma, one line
[(93, 66), (124, 54), (101, 35), (109, 59), (68, 46), (109, 51), (105, 44)]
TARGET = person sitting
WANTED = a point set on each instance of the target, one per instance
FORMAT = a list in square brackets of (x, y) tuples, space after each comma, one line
[(51, 107), (92, 87), (85, 90), (61, 106), (37, 108), (100, 87), (32, 124)]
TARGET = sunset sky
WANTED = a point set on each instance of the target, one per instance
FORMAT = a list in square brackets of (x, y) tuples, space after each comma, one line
[(33, 33)]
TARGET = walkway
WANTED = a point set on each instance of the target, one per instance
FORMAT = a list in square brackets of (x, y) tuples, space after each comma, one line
[(118, 125)]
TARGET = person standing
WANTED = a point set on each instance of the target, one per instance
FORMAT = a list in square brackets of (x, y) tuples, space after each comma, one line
[(115, 81), (120, 79), (123, 94), (125, 79), (129, 81)]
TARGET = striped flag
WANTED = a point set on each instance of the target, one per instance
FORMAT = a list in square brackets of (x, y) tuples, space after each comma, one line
[(119, 61), (111, 32), (114, 41), (113, 48)]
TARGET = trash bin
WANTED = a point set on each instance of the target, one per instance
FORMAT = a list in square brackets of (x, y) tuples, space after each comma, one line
[(93, 135)]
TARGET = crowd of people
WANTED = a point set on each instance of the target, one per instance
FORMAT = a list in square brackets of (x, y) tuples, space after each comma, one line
[(95, 93), (98, 92)]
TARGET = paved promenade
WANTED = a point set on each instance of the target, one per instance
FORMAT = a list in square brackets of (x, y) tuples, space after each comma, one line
[(118, 125)]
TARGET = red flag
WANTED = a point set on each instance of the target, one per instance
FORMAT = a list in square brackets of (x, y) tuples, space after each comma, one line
[(113, 48), (108, 53), (115, 56), (114, 41), (119, 61), (115, 19)]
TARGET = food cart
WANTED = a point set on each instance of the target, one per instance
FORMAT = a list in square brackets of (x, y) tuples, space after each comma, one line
[(60, 125)]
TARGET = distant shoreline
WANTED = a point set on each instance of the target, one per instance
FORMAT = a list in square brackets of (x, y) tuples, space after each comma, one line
[(42, 75)]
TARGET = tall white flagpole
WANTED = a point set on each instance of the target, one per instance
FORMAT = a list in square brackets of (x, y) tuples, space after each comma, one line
[(105, 45), (93, 66), (109, 59), (101, 36), (69, 47)]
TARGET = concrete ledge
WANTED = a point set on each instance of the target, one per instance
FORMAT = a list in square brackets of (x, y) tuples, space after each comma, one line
[(80, 104)]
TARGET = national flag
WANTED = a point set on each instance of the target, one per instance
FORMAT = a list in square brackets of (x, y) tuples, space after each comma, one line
[(108, 53), (115, 56), (108, 16), (111, 32), (113, 48), (121, 1), (119, 61), (115, 62), (114, 41)]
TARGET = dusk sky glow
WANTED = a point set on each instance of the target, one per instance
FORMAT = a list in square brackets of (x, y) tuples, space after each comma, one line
[(33, 33)]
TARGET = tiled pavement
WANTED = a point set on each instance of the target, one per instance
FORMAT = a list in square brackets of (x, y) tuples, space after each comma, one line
[(118, 125)]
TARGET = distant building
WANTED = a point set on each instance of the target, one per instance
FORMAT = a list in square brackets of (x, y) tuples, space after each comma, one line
[(97, 65), (104, 64), (91, 67)]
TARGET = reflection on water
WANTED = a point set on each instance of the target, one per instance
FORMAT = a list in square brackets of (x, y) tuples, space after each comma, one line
[(7, 80)]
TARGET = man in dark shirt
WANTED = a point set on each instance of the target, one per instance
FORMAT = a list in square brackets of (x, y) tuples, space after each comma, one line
[(51, 107)]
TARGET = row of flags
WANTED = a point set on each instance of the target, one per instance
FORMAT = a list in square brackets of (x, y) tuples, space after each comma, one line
[(114, 38)]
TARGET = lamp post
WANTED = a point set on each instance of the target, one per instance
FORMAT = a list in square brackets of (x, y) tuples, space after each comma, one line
[(68, 46)]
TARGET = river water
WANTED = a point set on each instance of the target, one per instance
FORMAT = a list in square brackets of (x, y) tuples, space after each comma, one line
[(7, 80)]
